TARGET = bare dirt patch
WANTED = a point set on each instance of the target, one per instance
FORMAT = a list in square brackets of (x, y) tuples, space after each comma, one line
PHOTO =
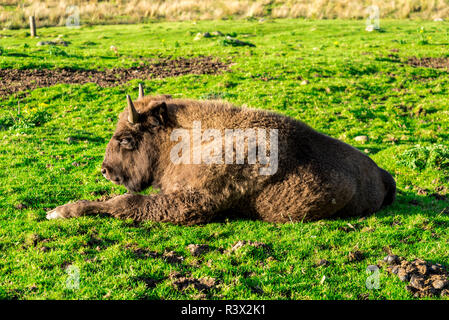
[(428, 62), (198, 249), (14, 80), (172, 257), (356, 256), (183, 282), (241, 243)]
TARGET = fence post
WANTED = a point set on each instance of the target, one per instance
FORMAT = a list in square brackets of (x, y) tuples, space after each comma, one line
[(32, 26)]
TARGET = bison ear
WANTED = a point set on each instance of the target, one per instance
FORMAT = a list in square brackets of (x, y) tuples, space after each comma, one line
[(159, 114)]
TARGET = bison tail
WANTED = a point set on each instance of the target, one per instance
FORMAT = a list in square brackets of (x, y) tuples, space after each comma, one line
[(390, 186)]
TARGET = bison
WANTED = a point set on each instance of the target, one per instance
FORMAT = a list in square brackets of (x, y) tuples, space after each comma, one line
[(313, 176)]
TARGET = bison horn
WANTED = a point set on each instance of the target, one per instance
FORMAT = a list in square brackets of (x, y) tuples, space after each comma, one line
[(140, 91), (133, 115)]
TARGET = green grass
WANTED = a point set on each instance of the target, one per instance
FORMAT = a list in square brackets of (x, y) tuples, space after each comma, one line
[(356, 86)]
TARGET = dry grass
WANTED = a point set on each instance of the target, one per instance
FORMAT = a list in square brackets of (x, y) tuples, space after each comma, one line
[(14, 14)]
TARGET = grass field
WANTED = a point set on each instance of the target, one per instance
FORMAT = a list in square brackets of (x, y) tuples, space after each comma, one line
[(333, 75)]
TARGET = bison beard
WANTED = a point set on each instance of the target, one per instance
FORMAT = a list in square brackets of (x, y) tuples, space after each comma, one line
[(317, 177)]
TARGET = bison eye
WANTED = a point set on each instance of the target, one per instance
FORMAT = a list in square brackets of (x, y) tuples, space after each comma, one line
[(126, 143)]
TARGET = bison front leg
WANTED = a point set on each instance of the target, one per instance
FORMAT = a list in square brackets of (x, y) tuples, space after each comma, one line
[(180, 208), (77, 209)]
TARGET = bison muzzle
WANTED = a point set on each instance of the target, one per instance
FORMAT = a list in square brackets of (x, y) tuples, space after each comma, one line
[(315, 176)]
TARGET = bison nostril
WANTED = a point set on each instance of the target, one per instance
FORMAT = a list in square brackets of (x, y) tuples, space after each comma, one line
[(103, 171)]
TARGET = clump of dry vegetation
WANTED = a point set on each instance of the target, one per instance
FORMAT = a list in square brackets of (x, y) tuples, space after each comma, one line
[(14, 13)]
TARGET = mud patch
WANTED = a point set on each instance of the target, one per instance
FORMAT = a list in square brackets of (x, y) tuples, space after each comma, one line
[(14, 80), (256, 244), (183, 282), (148, 281), (145, 254), (423, 278), (356, 256), (172, 257), (198, 249), (428, 62)]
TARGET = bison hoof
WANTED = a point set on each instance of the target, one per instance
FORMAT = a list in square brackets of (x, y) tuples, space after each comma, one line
[(54, 214)]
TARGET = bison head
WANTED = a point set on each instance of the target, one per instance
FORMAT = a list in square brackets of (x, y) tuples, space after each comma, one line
[(133, 152)]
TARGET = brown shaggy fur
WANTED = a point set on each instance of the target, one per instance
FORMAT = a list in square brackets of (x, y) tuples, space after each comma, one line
[(318, 176)]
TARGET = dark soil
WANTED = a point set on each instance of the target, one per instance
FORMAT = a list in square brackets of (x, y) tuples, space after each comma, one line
[(255, 244), (145, 254), (149, 282), (14, 80), (423, 278), (198, 249), (183, 282), (428, 62), (355, 256), (172, 257)]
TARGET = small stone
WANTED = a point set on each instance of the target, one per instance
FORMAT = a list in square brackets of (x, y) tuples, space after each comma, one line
[(304, 82), (361, 139)]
